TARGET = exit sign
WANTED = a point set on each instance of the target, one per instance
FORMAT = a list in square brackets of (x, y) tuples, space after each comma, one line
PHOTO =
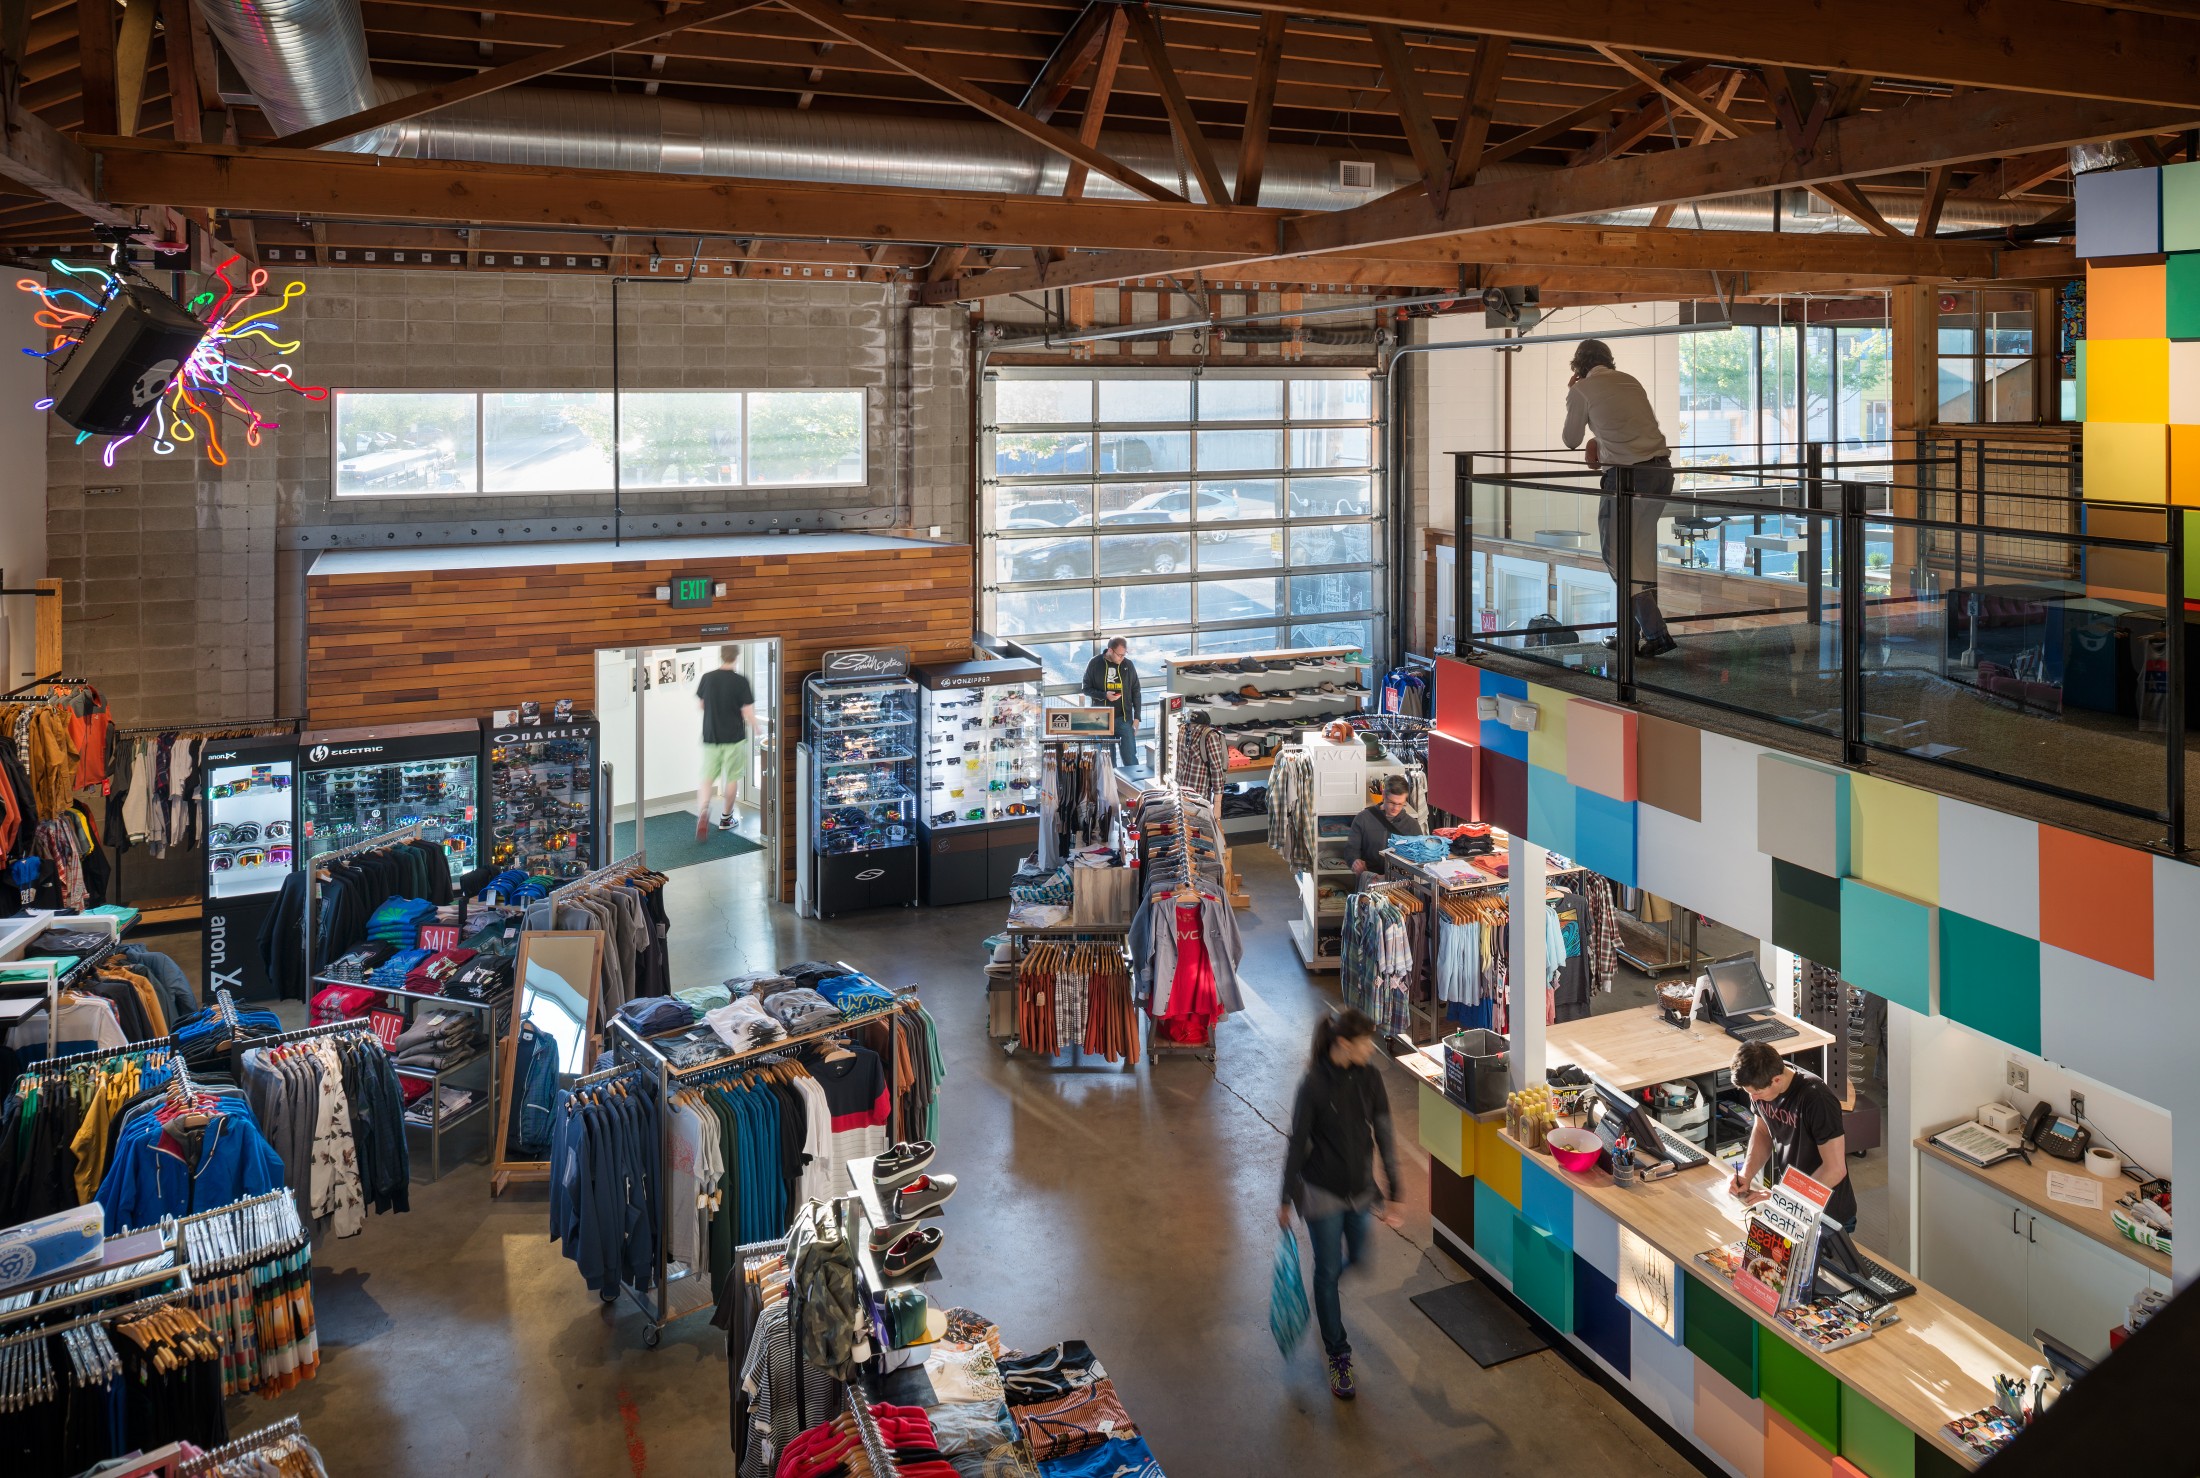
[(693, 592)]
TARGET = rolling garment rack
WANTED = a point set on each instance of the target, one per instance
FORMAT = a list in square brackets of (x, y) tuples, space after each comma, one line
[(438, 1122), (1020, 938), (661, 1305), (1156, 874)]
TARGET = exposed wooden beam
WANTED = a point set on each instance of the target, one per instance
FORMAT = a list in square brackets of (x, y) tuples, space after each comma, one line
[(1260, 107), (1058, 78), (95, 63), (1928, 132), (1670, 88), (39, 161), (1846, 197), (1590, 112), (133, 59), (2013, 45), (2016, 175), (1470, 135), (1936, 198), (1182, 120), (444, 94), (1439, 260), (1654, 115), (946, 262), (322, 183), (1110, 60), (183, 78), (1412, 110), (887, 49)]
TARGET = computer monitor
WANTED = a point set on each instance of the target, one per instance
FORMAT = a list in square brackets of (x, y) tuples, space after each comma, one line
[(2067, 1363), (1741, 986)]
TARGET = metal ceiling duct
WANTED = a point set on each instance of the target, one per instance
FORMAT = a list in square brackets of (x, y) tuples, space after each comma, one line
[(306, 63)]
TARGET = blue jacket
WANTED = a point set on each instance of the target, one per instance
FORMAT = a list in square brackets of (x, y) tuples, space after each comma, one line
[(147, 1180)]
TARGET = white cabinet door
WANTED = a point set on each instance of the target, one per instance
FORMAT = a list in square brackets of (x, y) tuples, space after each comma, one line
[(1968, 1251), (2080, 1288)]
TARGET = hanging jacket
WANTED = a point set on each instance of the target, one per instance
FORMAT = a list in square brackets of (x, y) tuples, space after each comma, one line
[(1153, 945)]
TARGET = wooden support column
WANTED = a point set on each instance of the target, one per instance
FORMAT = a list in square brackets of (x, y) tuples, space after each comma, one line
[(1913, 322)]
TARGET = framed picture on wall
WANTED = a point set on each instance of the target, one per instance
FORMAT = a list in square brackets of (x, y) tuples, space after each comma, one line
[(687, 672)]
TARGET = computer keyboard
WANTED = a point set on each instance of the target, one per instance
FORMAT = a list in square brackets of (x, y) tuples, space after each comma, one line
[(1885, 1282), (1765, 1030)]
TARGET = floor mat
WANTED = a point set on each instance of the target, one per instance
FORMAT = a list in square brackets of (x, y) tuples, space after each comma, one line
[(1479, 1322), (671, 838)]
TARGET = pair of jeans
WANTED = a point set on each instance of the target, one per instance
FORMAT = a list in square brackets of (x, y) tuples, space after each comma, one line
[(1339, 1241), (1126, 737), (1650, 483)]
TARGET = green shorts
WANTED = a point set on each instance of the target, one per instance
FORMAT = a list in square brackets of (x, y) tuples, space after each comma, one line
[(725, 764)]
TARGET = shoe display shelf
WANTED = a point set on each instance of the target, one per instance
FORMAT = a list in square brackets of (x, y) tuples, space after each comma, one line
[(1292, 700)]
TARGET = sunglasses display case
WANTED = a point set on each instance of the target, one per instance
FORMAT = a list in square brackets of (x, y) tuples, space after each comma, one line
[(978, 774), (358, 783), (543, 797), (856, 775), (251, 847)]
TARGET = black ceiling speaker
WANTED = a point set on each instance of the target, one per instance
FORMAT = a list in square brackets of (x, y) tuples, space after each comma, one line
[(132, 350)]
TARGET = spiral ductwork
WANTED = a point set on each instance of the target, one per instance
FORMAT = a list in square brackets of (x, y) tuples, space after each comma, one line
[(306, 63)]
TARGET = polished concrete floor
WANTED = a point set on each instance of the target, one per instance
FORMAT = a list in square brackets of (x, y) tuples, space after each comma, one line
[(1133, 1209)]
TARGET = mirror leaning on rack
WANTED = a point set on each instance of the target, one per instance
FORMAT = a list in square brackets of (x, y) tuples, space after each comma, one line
[(551, 1040)]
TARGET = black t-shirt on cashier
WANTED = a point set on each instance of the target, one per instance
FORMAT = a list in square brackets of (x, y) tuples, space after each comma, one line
[(1800, 1120), (724, 693)]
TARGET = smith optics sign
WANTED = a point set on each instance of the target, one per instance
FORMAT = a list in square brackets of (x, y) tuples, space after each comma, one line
[(866, 663)]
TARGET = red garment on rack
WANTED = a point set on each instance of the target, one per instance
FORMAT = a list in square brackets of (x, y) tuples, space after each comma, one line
[(1193, 1005)]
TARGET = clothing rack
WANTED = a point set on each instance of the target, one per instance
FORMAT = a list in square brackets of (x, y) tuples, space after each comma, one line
[(663, 1304), (56, 1066), (307, 1033), (103, 1316), (115, 1282), (408, 832), (631, 863), (206, 1462), (239, 728), (875, 1448), (50, 680)]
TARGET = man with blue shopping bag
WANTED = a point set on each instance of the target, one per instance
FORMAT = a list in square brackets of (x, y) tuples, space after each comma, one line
[(1339, 1125)]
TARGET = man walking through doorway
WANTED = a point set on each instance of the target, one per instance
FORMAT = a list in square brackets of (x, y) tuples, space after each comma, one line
[(1111, 682), (729, 712), (1625, 445)]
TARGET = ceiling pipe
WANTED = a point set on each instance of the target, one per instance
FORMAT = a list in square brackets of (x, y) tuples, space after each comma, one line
[(306, 63)]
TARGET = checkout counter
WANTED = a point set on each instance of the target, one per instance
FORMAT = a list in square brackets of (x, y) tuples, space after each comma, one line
[(1614, 1270)]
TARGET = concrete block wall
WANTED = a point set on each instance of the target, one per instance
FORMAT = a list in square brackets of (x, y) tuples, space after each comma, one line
[(184, 582)]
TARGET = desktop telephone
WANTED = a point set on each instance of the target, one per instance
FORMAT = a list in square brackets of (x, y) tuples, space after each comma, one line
[(2058, 1134)]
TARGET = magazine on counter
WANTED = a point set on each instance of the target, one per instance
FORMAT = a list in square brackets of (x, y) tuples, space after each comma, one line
[(1725, 1260), (1826, 1324), (1984, 1432), (1780, 1244)]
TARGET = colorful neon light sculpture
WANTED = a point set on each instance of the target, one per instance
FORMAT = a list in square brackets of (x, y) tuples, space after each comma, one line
[(242, 359)]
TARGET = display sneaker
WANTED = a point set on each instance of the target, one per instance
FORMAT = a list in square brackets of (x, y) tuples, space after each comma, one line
[(1340, 1377), (901, 1164), (911, 1252), (923, 1196)]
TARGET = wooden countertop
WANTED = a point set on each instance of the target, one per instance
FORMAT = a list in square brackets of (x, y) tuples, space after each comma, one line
[(1936, 1363), (2027, 1184), (1634, 1049)]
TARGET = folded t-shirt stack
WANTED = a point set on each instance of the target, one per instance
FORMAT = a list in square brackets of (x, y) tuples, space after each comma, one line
[(398, 921), (340, 1003), (514, 886), (432, 974), (855, 995), (654, 1015), (392, 972), (801, 1010), (760, 984), (810, 972), (354, 963), (437, 1040), (743, 1025), (485, 977)]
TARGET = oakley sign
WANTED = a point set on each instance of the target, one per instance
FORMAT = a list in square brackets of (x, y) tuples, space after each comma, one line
[(870, 874)]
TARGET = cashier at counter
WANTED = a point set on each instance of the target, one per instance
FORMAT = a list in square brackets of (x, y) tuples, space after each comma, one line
[(1373, 828), (1798, 1126)]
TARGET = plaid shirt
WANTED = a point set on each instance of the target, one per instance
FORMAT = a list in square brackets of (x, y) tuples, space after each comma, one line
[(1202, 759), (1599, 932)]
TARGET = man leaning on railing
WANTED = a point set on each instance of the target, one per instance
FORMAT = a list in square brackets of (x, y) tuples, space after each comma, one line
[(1624, 438)]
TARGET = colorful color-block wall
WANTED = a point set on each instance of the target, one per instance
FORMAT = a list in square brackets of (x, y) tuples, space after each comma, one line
[(2139, 363), (2072, 948)]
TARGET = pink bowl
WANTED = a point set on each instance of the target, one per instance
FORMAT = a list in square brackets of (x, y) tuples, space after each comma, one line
[(1575, 1149)]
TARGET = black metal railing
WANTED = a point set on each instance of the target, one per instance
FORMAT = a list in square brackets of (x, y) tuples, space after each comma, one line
[(1964, 606)]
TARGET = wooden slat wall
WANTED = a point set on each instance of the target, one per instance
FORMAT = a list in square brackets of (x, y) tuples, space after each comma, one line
[(412, 645)]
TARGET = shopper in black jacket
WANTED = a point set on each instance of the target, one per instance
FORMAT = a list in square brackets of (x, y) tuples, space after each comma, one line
[(1339, 1125), (1111, 682)]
